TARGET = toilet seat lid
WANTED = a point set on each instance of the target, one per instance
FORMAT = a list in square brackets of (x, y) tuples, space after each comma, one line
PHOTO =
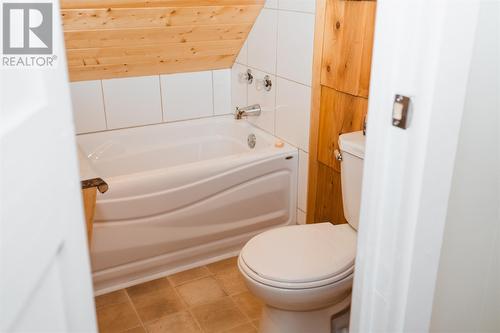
[(302, 254)]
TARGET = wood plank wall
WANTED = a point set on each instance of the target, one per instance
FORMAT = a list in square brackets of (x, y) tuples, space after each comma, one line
[(120, 38), (341, 78)]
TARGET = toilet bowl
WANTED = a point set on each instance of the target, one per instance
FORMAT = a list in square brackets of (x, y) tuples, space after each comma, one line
[(304, 273)]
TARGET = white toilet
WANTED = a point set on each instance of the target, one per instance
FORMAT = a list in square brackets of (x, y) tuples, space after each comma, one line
[(304, 273)]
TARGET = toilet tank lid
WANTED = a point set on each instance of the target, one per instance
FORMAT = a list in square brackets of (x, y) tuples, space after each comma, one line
[(353, 143)]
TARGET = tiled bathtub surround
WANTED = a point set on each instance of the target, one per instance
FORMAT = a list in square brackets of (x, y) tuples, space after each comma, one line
[(138, 101), (124, 97), (88, 106), (281, 45)]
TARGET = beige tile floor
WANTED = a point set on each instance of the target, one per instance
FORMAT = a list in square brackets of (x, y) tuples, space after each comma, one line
[(206, 299)]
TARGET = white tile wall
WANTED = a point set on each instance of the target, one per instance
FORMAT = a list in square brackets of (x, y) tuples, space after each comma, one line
[(308, 6), (281, 45), (266, 99), (302, 184), (88, 106), (293, 105), (222, 91), (187, 95), (239, 88), (272, 4), (242, 57), (120, 103), (132, 101), (295, 46), (262, 41)]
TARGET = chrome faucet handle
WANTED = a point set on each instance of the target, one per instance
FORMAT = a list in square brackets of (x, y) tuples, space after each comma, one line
[(247, 77), (266, 83)]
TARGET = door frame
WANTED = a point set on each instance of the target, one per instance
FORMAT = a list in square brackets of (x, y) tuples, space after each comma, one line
[(423, 49)]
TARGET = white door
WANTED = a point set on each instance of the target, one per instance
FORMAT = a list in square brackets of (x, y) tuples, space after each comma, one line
[(423, 49), (45, 281)]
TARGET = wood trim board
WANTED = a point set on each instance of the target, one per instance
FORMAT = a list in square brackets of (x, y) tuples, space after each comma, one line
[(315, 107)]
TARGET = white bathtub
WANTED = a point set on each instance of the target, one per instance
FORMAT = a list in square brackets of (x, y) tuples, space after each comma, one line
[(183, 194)]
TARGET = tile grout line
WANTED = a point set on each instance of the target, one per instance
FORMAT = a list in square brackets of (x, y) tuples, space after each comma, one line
[(188, 308), (241, 312), (298, 185), (135, 310), (188, 281), (213, 94), (250, 320), (214, 276), (227, 295), (283, 77), (163, 111), (276, 71), (104, 105), (290, 10), (230, 296), (154, 124)]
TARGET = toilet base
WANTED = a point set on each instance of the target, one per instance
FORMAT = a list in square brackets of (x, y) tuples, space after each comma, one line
[(275, 320)]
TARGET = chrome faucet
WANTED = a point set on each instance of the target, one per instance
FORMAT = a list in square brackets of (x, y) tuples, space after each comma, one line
[(247, 111)]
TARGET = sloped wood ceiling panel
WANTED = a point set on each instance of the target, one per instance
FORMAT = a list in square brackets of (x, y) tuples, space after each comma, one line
[(120, 38)]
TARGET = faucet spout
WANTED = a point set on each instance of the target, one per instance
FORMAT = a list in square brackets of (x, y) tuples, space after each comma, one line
[(248, 111)]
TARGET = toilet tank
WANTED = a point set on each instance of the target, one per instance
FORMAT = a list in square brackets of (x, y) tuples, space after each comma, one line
[(352, 147)]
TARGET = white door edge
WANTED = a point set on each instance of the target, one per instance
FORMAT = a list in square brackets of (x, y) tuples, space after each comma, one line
[(422, 49)]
